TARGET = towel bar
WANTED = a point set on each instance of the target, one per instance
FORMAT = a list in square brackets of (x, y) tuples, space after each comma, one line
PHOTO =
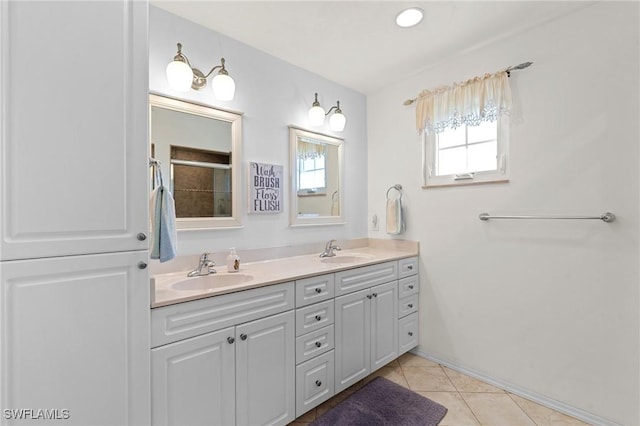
[(605, 217)]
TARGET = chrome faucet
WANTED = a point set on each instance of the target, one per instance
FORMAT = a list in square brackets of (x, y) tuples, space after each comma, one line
[(329, 248), (205, 267)]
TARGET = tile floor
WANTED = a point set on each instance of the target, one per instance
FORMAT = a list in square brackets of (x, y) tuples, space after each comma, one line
[(469, 401)]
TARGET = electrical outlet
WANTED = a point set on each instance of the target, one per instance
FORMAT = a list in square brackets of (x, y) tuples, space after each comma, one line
[(374, 222)]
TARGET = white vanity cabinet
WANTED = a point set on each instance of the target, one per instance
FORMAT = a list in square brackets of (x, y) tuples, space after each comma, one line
[(314, 341), (225, 360), (366, 332), (74, 295)]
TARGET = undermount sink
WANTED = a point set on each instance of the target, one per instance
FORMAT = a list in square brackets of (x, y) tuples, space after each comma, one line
[(211, 281), (346, 258)]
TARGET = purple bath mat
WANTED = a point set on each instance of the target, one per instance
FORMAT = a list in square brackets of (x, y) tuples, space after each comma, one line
[(382, 402)]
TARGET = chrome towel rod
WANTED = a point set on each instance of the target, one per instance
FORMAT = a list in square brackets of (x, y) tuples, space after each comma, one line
[(605, 217)]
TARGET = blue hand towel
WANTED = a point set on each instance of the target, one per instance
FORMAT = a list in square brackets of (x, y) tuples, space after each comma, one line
[(163, 225)]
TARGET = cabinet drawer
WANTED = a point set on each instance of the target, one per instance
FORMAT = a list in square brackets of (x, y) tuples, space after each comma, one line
[(408, 305), (408, 328), (314, 289), (184, 320), (408, 286), (314, 382), (314, 317), (407, 267), (365, 277), (314, 343)]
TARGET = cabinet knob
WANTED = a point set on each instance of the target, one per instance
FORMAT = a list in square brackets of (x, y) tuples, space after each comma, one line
[(142, 265), (369, 296), (230, 340), (410, 333), (410, 305), (318, 344), (243, 336), (318, 290), (410, 267), (375, 294), (318, 383), (410, 286), (318, 317), (141, 236)]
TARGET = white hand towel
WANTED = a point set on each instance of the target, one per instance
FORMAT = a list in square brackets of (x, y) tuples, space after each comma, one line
[(395, 218)]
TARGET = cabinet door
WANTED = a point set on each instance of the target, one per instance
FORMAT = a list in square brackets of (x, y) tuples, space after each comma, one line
[(352, 335), (265, 371), (193, 381), (73, 150), (384, 324), (75, 336)]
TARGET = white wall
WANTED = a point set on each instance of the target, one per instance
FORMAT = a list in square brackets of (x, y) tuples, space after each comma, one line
[(272, 95), (549, 308)]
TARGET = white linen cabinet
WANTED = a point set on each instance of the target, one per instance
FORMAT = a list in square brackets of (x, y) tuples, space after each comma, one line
[(74, 296)]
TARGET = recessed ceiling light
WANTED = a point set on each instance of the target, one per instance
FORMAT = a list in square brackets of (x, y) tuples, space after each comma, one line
[(409, 17)]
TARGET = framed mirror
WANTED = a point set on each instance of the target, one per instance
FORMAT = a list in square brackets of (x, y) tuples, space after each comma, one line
[(316, 163), (199, 151)]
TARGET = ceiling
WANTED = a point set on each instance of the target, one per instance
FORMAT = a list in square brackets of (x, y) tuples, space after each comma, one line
[(357, 43)]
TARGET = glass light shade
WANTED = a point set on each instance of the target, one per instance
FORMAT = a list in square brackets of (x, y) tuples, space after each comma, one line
[(223, 87), (409, 17), (179, 76), (337, 121), (316, 116)]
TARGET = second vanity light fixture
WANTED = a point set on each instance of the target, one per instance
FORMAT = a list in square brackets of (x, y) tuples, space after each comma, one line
[(317, 116), (182, 77)]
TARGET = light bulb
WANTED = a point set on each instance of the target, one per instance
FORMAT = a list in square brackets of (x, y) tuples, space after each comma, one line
[(409, 17), (316, 116), (179, 76), (337, 121), (223, 87)]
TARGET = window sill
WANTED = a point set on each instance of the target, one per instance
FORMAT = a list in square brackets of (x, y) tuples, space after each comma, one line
[(466, 183)]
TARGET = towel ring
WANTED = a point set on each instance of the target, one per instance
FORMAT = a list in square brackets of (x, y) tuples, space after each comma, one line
[(397, 187)]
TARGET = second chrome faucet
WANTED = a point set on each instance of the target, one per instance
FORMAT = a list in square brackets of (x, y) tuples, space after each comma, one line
[(329, 248)]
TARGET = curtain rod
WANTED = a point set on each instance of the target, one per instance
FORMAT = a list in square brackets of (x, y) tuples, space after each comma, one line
[(508, 71)]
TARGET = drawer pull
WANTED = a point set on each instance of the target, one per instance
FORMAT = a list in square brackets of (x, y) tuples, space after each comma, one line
[(318, 317), (318, 383), (230, 340), (318, 344), (410, 333), (410, 286), (243, 336), (318, 290), (410, 305), (142, 265), (410, 267)]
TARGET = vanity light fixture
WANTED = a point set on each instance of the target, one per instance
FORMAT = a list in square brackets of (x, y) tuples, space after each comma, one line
[(409, 17), (182, 77), (317, 115)]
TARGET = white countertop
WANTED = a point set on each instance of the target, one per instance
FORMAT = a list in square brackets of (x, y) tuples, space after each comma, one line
[(165, 290)]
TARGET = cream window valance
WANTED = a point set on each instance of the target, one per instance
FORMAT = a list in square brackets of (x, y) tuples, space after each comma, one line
[(471, 102), (308, 148)]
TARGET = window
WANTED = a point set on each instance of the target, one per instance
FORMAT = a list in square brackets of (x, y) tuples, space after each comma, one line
[(467, 155), (311, 175)]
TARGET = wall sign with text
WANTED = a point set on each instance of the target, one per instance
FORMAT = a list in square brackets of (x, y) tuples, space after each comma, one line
[(265, 188)]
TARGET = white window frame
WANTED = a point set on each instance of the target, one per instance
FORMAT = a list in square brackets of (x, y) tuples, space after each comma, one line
[(320, 190), (501, 175)]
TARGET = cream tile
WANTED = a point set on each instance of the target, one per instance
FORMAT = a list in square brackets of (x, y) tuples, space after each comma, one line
[(411, 360), (544, 416), (465, 383), (496, 409), (428, 379), (458, 413), (393, 373)]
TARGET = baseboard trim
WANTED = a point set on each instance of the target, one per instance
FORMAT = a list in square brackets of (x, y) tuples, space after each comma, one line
[(532, 396)]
